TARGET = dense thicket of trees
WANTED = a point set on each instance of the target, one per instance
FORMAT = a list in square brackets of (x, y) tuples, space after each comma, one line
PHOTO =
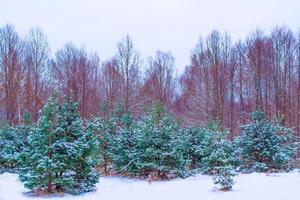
[(62, 152), (224, 80)]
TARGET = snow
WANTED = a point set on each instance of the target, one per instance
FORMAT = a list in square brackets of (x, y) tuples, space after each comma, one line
[(258, 186)]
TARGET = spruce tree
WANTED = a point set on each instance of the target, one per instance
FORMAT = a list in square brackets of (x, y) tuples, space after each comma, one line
[(106, 129), (39, 167), (219, 151), (221, 162), (124, 149), (77, 149), (12, 144), (159, 149), (265, 145), (198, 145), (13, 141), (60, 153)]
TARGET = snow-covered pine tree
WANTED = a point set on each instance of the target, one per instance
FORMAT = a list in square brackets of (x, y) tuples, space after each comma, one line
[(214, 154), (77, 150), (12, 144), (13, 141), (59, 155), (106, 129), (221, 161), (39, 168), (265, 145), (124, 151), (159, 149), (224, 177), (198, 145)]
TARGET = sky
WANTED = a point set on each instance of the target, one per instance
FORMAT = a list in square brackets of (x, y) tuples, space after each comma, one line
[(167, 25)]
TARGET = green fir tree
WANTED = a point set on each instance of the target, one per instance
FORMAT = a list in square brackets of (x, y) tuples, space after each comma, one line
[(265, 145), (159, 149), (61, 153)]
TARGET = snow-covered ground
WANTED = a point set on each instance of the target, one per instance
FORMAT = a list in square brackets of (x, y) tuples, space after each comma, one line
[(284, 186)]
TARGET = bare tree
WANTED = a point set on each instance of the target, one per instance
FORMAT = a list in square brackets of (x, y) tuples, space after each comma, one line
[(36, 60), (11, 71), (76, 73), (159, 83), (282, 59), (129, 63), (111, 84)]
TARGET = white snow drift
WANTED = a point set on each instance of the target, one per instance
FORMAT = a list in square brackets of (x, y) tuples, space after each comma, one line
[(256, 186)]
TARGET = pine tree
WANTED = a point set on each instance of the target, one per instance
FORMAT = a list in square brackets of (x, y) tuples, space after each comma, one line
[(159, 149), (13, 141), (77, 149), (221, 162), (265, 145), (106, 129), (124, 149), (12, 144), (39, 168), (216, 155), (198, 145), (60, 153), (224, 177)]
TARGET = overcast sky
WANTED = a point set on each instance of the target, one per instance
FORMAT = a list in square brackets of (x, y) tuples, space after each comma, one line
[(168, 25)]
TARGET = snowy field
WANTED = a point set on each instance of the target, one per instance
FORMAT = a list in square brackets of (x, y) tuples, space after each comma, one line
[(254, 186)]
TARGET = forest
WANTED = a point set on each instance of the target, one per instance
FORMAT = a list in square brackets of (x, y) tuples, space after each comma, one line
[(67, 116), (224, 80)]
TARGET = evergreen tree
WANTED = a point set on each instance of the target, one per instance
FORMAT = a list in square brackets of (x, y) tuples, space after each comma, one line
[(12, 144), (212, 153), (224, 177), (219, 151), (159, 149), (13, 141), (221, 161), (60, 153), (124, 149), (106, 129), (39, 168), (265, 145), (77, 149), (197, 143)]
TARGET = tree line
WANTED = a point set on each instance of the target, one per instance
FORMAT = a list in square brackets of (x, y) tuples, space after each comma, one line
[(224, 81), (64, 153)]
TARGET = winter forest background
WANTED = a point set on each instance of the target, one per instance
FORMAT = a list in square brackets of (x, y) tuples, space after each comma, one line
[(133, 99), (224, 80), (67, 118)]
